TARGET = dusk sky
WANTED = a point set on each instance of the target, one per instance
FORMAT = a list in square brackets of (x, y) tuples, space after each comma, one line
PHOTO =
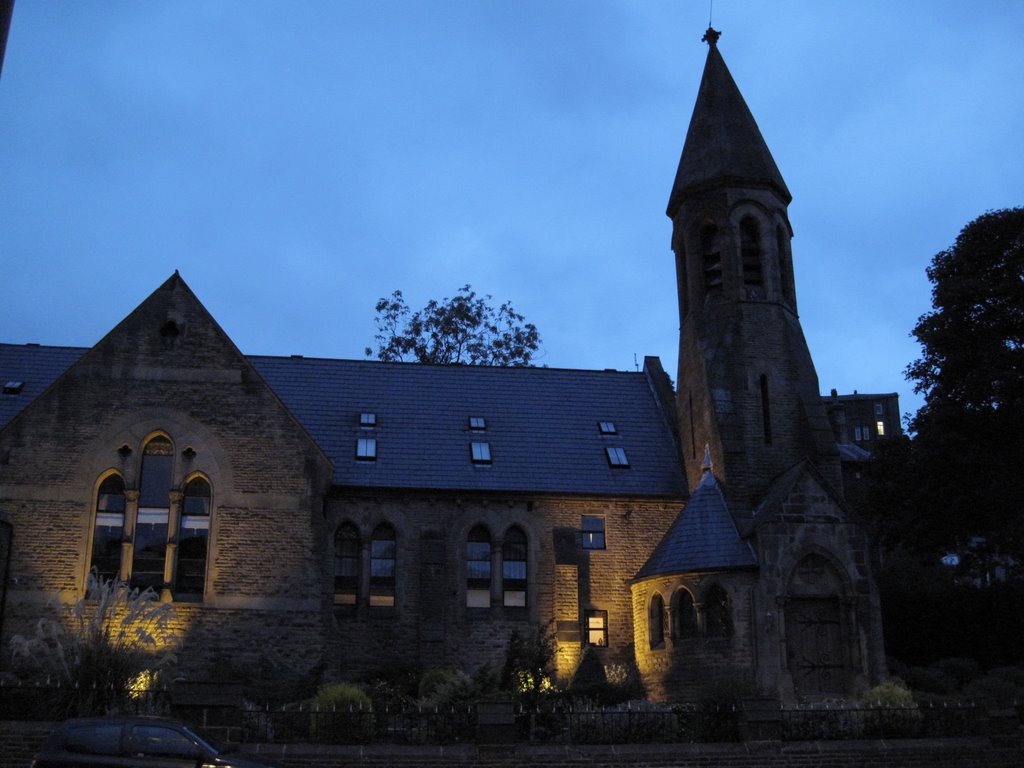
[(298, 160)]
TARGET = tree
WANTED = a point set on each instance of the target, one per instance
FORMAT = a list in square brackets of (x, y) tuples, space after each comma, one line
[(463, 329), (968, 461)]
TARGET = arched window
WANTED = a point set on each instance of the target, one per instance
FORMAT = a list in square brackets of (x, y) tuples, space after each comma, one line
[(750, 252), (154, 507), (717, 613), (478, 568), (106, 539), (346, 564), (785, 271), (383, 550), (712, 259), (656, 620), (513, 568), (190, 579), (684, 618)]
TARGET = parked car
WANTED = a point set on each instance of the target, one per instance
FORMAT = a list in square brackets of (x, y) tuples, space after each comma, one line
[(133, 742)]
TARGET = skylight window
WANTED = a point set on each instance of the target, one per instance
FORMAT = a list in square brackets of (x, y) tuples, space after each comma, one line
[(367, 419), (13, 387), (477, 423), (607, 428), (617, 457), (366, 449), (480, 452)]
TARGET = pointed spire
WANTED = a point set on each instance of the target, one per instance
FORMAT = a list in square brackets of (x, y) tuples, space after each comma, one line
[(706, 465), (723, 142)]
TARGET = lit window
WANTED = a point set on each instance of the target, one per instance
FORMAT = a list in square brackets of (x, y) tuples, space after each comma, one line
[(154, 508), (13, 387), (592, 529), (656, 621), (880, 428), (607, 427), (346, 565), (478, 568), (106, 540), (596, 625), (477, 423), (617, 457), (383, 549), (190, 576), (366, 448), (367, 419), (513, 569), (481, 453)]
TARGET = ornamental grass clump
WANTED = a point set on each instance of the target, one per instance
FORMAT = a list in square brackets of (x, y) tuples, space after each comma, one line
[(889, 709), (342, 714)]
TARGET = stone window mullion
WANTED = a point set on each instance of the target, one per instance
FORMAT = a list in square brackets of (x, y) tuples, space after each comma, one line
[(171, 559), (131, 511)]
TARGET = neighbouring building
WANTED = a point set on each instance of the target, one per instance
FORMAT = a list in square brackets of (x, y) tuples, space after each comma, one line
[(349, 516)]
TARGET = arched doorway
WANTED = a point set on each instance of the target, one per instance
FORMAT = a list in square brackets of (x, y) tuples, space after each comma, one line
[(817, 635)]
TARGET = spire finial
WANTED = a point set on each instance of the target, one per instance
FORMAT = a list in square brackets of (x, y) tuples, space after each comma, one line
[(711, 37), (706, 465)]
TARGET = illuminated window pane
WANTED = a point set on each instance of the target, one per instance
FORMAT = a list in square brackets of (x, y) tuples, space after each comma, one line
[(880, 428), (596, 624), (513, 569), (478, 568), (383, 548), (481, 453), (366, 449), (617, 457)]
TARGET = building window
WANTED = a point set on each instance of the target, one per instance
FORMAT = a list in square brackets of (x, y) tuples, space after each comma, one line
[(383, 550), (596, 628), (878, 411), (656, 621), (607, 428), (346, 564), (109, 531), (513, 568), (193, 540), (366, 449), (684, 618), (712, 260), (717, 613), (592, 529), (150, 550), (13, 387), (477, 423), (750, 252), (480, 453), (478, 568), (880, 428), (617, 457), (367, 420)]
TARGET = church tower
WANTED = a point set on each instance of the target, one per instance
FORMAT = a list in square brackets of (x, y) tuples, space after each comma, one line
[(747, 386)]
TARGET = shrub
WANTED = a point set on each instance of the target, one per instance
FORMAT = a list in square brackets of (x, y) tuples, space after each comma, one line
[(889, 709), (342, 714)]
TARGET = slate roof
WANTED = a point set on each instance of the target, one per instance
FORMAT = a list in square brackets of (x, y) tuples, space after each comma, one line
[(541, 423), (723, 141), (702, 538)]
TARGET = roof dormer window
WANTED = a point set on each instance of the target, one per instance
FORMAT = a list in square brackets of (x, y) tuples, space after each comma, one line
[(477, 423), (367, 420)]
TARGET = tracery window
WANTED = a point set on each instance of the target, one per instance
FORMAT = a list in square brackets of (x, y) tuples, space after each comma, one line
[(109, 530), (193, 540), (478, 568), (150, 552), (346, 565), (513, 568), (383, 553)]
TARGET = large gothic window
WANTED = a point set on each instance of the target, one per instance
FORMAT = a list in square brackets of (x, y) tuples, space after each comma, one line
[(478, 568), (193, 540), (109, 530), (346, 565), (717, 613), (750, 252), (513, 568), (383, 552), (154, 508)]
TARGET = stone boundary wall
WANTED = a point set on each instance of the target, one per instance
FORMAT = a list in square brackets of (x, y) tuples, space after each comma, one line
[(19, 740)]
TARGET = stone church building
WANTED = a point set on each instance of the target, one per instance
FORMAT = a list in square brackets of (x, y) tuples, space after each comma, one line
[(346, 517)]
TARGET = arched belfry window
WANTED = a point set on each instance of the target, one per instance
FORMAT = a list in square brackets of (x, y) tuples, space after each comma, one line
[(109, 529), (656, 621), (193, 540), (750, 252), (346, 565), (150, 550), (684, 618), (478, 568), (717, 613), (785, 265), (513, 568), (711, 258), (383, 554)]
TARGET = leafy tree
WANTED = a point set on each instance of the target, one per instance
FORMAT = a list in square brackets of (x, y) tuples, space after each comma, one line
[(968, 451), (465, 329)]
